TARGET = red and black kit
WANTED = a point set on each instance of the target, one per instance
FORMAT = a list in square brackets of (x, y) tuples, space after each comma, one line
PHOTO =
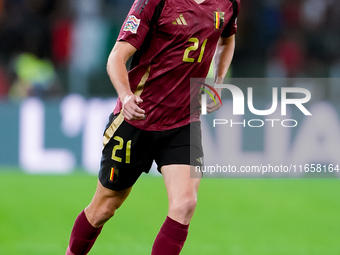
[(175, 41)]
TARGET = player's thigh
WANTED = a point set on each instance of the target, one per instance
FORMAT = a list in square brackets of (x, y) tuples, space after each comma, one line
[(108, 198), (179, 182), (179, 153)]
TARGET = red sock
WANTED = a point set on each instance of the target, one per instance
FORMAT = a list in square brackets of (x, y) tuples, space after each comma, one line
[(170, 239), (83, 235)]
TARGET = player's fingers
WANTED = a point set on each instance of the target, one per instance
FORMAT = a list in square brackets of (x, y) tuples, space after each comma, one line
[(138, 116), (131, 114), (211, 107), (126, 114), (137, 109), (131, 110), (132, 107), (133, 104), (138, 100)]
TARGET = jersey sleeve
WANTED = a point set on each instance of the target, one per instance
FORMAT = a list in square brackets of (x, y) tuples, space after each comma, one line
[(231, 28), (138, 22)]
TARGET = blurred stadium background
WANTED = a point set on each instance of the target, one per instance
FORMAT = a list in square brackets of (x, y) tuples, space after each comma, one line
[(55, 97)]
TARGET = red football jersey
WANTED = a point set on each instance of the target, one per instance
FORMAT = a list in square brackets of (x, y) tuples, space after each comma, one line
[(175, 40)]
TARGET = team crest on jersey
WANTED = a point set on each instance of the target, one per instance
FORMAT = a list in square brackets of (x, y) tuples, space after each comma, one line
[(132, 24), (218, 20)]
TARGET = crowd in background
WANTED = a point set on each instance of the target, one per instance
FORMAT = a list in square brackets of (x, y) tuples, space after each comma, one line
[(49, 48), (291, 38)]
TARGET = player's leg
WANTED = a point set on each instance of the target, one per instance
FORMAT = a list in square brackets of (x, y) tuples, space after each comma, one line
[(182, 194), (180, 150), (89, 222), (104, 204), (124, 158)]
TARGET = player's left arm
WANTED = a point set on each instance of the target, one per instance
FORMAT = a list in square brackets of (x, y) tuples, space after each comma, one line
[(222, 59)]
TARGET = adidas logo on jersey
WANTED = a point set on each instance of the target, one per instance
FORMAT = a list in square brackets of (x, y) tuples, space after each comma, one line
[(180, 21)]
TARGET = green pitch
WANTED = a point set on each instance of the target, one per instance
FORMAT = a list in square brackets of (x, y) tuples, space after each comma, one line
[(234, 216)]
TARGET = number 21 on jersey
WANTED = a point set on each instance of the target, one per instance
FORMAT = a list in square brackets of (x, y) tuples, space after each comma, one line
[(194, 47)]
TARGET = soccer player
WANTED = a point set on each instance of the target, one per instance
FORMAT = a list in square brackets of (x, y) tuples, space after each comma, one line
[(171, 41)]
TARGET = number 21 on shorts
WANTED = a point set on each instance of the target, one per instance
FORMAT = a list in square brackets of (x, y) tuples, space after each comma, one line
[(119, 147)]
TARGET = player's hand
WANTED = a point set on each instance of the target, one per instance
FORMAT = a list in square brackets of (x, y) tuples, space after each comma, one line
[(211, 106), (131, 110)]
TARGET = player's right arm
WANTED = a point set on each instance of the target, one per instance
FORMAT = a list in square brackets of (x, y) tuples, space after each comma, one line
[(130, 39), (116, 68)]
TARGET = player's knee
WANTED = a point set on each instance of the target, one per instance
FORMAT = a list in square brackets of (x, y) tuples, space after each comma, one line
[(102, 216), (185, 207), (190, 206), (109, 212)]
